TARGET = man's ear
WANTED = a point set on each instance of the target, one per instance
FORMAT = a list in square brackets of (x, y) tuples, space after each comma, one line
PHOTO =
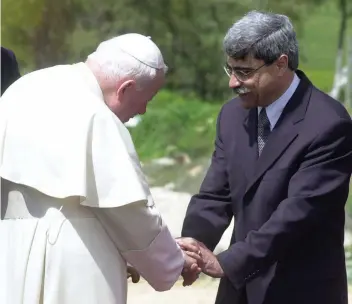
[(125, 86), (282, 64)]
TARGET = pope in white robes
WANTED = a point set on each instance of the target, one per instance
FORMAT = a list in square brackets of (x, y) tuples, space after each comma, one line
[(75, 206)]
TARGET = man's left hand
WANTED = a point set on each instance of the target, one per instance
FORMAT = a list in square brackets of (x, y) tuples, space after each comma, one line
[(211, 265)]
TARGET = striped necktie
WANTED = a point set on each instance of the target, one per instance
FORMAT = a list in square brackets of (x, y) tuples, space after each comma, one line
[(263, 130)]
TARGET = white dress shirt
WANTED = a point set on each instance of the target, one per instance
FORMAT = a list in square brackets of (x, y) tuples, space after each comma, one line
[(275, 109)]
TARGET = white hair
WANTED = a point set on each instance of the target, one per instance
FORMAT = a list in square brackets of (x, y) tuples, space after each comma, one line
[(129, 56)]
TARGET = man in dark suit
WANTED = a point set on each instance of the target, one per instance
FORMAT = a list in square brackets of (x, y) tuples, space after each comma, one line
[(281, 167), (9, 69)]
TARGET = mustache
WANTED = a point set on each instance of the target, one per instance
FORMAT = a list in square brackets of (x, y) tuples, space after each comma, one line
[(241, 90)]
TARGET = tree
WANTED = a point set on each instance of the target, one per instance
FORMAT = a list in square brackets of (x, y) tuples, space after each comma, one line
[(38, 29), (189, 33), (346, 13)]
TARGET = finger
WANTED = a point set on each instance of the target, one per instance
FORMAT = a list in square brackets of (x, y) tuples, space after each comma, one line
[(187, 282), (189, 247), (194, 256), (195, 268), (187, 242), (189, 261), (191, 276), (189, 279), (133, 274), (135, 278), (201, 244)]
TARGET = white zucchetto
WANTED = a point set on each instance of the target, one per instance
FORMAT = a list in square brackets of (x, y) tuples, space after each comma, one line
[(138, 46)]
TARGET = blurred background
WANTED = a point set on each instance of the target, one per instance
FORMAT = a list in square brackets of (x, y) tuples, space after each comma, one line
[(175, 138)]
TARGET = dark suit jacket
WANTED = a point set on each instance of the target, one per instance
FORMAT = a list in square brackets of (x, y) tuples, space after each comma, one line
[(9, 69), (287, 245)]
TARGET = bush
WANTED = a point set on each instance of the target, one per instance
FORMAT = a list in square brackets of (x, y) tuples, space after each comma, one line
[(175, 124)]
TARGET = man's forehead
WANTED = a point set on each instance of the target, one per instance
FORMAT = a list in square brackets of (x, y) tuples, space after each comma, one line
[(247, 62)]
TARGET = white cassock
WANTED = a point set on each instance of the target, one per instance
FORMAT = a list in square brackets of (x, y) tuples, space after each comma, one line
[(75, 204)]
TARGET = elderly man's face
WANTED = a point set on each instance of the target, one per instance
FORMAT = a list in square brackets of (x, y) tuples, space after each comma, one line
[(133, 101), (252, 80)]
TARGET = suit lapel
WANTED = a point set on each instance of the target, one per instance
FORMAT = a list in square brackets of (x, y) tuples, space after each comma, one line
[(285, 131), (247, 147)]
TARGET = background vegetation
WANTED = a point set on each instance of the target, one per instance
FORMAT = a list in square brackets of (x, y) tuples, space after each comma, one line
[(181, 119), (189, 32)]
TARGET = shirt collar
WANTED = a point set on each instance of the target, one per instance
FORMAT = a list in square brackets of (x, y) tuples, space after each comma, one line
[(275, 109)]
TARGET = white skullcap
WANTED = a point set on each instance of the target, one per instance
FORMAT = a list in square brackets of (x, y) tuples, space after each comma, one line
[(138, 46)]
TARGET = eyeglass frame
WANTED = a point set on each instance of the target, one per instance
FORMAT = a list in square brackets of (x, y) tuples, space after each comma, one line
[(246, 76)]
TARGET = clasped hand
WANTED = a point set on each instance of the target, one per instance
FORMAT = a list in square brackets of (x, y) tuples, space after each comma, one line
[(198, 259), (193, 260)]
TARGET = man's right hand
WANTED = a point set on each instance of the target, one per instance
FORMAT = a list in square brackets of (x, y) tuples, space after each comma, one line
[(191, 269), (193, 263)]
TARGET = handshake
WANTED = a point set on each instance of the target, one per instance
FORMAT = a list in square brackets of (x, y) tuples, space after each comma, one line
[(198, 258)]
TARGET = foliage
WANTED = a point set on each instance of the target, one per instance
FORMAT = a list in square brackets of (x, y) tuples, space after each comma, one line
[(39, 28), (173, 125), (189, 33)]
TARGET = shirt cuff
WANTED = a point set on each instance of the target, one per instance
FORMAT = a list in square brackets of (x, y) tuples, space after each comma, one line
[(161, 263)]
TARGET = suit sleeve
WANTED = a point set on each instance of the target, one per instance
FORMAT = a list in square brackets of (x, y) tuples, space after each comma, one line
[(319, 187), (9, 69), (15, 72), (209, 212)]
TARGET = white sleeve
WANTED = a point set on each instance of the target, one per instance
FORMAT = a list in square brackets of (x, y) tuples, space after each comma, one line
[(114, 175), (122, 202), (142, 238)]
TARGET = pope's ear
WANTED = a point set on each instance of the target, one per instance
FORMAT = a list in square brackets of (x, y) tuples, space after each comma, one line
[(125, 87)]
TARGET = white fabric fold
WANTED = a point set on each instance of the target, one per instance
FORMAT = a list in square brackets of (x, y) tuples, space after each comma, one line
[(68, 134), (64, 147), (144, 241)]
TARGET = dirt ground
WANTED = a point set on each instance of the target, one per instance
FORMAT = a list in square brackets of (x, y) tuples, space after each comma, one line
[(201, 292)]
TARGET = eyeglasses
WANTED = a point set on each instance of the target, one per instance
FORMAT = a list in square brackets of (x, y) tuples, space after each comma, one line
[(242, 74)]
